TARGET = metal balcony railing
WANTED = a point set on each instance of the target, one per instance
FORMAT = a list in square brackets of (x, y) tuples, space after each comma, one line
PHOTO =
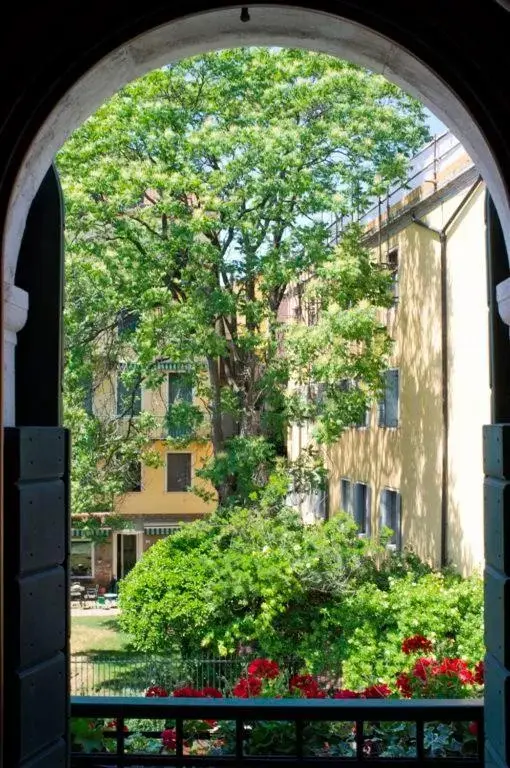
[(297, 716)]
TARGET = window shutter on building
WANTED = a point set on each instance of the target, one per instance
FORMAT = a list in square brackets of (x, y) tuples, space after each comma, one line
[(392, 386), (178, 467)]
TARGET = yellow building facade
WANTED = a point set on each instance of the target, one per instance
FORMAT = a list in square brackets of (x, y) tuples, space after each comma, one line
[(416, 464), (160, 500)]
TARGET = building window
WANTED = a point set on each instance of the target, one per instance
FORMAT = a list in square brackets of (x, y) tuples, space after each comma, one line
[(361, 504), (391, 516), (392, 263), (180, 390), (133, 480), (178, 472), (127, 322), (129, 398), (81, 563), (346, 495), (389, 404), (88, 404)]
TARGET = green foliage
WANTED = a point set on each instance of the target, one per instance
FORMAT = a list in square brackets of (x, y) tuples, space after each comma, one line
[(312, 596), (195, 198), (445, 608)]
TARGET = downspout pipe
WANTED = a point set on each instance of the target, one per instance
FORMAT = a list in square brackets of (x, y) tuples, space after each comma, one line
[(442, 235)]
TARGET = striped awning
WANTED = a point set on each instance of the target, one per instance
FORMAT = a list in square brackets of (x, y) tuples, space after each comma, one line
[(161, 530), (83, 533)]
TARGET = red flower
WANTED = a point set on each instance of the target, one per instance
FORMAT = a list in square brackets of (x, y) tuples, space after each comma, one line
[(345, 693), (422, 668), (455, 668), (473, 728), (416, 643), (479, 674), (188, 693), (211, 693), (264, 668), (156, 691), (307, 685), (247, 687), (112, 726), (169, 737), (404, 685), (380, 691)]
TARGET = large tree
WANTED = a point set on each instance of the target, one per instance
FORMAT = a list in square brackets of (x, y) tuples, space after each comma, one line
[(197, 200)]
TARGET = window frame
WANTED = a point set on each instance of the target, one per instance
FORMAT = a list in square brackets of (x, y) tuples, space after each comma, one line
[(122, 413), (179, 453), (75, 540), (365, 528), (382, 420), (349, 507), (395, 544)]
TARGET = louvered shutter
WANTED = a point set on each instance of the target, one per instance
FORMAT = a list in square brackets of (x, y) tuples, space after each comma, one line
[(178, 471), (392, 398)]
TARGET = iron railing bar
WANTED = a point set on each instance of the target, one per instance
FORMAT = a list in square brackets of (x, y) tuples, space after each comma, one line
[(299, 739), (360, 738), (420, 740), (458, 710), (239, 741), (98, 760), (120, 740), (179, 734)]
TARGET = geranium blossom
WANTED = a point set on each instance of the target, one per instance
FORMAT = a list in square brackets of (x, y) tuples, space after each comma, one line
[(345, 693), (307, 685), (416, 643), (455, 668), (479, 673), (380, 691), (422, 667), (247, 687), (188, 693), (403, 682), (212, 693), (264, 668), (156, 691), (169, 738)]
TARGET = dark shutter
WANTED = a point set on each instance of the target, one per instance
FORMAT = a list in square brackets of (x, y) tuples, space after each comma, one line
[(127, 322), (178, 469), (134, 477), (392, 397)]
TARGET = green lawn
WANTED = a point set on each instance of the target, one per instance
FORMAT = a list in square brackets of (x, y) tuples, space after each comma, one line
[(93, 635)]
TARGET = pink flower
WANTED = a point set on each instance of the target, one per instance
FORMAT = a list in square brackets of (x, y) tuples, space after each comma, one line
[(416, 643), (112, 725), (264, 668), (156, 691), (169, 738), (247, 687)]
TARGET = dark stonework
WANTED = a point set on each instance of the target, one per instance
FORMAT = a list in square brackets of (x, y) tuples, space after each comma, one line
[(44, 49)]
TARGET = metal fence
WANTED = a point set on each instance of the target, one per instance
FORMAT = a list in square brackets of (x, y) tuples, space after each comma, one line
[(132, 675), (293, 746)]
